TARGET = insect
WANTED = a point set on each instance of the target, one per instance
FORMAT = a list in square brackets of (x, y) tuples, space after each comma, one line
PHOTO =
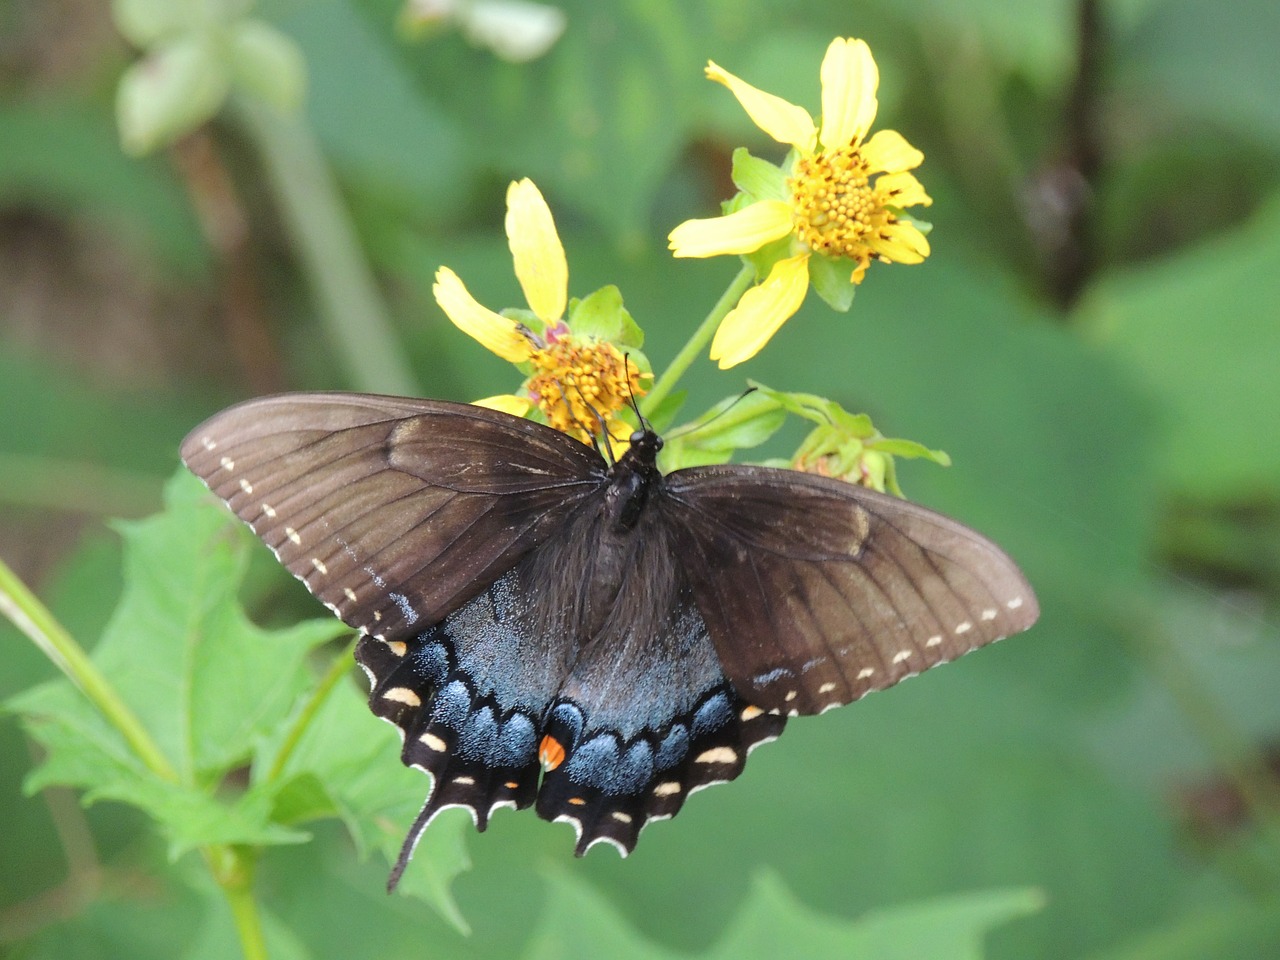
[(597, 640)]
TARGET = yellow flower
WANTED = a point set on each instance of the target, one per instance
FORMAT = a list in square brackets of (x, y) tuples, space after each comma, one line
[(842, 199), (578, 382)]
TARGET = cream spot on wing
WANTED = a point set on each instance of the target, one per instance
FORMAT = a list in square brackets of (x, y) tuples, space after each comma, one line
[(465, 781), (209, 443), (826, 688), (989, 613), (227, 463), (403, 695), (319, 565), (268, 510), (292, 534), (866, 672), (666, 789), (350, 594), (964, 627), (620, 816), (433, 742), (245, 485), (934, 641), (901, 655), (377, 617), (750, 712), (791, 695), (717, 755), (1015, 603)]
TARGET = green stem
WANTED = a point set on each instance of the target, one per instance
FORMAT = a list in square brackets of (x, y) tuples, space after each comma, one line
[(701, 337), (233, 869), (328, 250), (337, 670), (33, 618)]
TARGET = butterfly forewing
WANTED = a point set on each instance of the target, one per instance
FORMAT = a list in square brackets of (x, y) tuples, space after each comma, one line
[(393, 511), (817, 592)]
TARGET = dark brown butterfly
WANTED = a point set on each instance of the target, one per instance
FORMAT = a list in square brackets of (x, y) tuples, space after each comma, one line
[(525, 604)]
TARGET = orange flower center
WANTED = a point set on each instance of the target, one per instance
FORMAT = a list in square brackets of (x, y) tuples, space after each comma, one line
[(581, 385), (834, 205)]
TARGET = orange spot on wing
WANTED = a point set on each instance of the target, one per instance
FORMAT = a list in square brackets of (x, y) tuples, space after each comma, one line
[(511, 784), (577, 801), (551, 753)]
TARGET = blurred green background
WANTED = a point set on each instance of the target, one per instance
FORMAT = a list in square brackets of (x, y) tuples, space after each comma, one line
[(1095, 341)]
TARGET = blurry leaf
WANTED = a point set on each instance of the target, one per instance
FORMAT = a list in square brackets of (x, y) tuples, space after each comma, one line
[(65, 157), (1034, 38), (268, 64), (1199, 330), (1239, 930), (378, 126), (143, 22), (771, 922), (1221, 68), (172, 90)]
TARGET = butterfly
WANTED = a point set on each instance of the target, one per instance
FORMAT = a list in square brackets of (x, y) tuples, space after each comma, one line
[(597, 640)]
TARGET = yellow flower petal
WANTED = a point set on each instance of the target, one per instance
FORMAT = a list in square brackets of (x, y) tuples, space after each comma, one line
[(849, 81), (888, 151), (900, 242), (783, 121), (761, 311), (536, 249), (745, 231), (902, 190), (507, 403), (497, 333)]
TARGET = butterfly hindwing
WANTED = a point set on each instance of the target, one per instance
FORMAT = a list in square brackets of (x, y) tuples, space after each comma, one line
[(818, 592)]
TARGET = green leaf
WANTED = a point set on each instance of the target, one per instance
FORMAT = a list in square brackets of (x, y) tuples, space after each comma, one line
[(831, 281), (758, 179), (602, 315), (205, 683), (771, 922), (347, 766), (169, 92)]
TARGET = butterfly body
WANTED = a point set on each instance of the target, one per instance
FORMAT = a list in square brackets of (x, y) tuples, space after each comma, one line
[(596, 640)]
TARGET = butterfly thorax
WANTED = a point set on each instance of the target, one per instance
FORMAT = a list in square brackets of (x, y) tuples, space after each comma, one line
[(632, 478)]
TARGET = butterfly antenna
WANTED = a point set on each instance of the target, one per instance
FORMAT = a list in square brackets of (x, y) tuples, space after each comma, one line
[(694, 427), (631, 396), (600, 425)]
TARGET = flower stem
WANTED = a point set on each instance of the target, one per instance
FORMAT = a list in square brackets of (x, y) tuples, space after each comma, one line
[(337, 670), (33, 618), (328, 250), (701, 337)]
